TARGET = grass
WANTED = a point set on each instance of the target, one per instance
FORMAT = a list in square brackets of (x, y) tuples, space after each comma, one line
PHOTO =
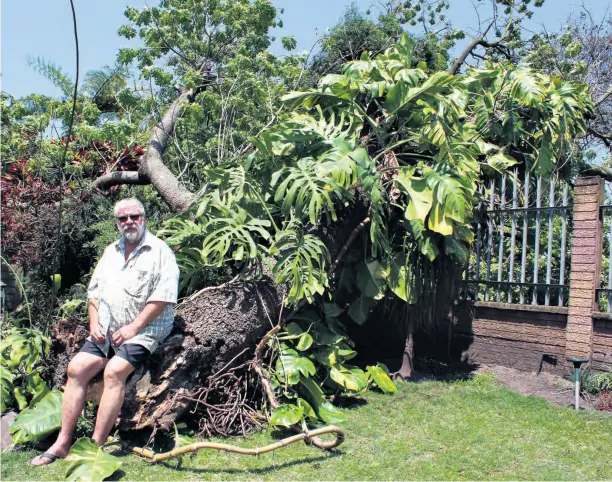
[(475, 429)]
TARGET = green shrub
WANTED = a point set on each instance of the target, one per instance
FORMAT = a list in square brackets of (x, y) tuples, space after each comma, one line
[(595, 383)]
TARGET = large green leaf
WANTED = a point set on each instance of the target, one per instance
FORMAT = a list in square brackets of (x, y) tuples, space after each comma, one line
[(398, 279), (500, 162), (325, 410), (403, 93), (305, 192), (420, 195), (290, 365), (371, 279), (23, 348), (301, 260), (89, 462), (286, 415), (236, 235), (305, 342), (354, 379), (42, 419), (330, 414), (6, 391), (527, 86), (327, 355), (324, 336), (381, 378), (308, 410), (19, 394), (332, 310), (360, 308), (438, 221)]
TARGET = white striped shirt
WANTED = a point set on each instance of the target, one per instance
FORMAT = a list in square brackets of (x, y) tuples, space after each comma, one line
[(123, 288)]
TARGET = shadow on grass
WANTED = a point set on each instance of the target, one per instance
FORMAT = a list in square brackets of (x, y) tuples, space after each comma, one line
[(310, 460), (116, 475), (430, 369)]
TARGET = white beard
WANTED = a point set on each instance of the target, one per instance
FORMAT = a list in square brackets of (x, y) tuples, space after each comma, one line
[(134, 236)]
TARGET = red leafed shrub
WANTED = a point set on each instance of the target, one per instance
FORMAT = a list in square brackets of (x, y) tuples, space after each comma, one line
[(30, 202), (605, 401), (28, 211)]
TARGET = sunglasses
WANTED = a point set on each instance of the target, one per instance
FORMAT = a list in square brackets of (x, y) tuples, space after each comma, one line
[(133, 217)]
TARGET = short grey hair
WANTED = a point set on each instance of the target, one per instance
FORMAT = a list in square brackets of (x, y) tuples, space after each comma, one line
[(129, 200)]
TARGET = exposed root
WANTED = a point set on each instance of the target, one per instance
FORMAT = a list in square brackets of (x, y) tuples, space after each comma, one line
[(306, 436), (227, 403), (236, 415)]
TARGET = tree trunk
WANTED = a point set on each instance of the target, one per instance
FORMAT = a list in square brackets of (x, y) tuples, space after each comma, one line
[(407, 369), (152, 169)]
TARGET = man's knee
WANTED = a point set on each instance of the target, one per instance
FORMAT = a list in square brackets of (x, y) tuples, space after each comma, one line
[(83, 369), (116, 372)]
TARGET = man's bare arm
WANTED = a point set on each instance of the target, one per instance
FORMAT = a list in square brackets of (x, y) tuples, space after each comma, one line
[(95, 328), (151, 311)]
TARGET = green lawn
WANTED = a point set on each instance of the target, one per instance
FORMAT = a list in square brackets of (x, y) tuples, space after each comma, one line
[(474, 429)]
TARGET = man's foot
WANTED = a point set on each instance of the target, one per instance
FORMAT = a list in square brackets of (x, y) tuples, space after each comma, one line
[(44, 459)]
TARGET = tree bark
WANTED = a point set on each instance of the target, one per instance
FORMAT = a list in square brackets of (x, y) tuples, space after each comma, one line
[(407, 369), (211, 331)]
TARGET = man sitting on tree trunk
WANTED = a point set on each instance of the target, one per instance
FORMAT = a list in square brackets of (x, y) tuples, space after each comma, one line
[(131, 297)]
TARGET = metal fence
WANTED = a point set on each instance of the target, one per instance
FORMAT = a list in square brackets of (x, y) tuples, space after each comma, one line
[(522, 245), (604, 293)]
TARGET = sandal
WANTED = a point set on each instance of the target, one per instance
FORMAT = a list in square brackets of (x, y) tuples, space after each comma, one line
[(52, 458)]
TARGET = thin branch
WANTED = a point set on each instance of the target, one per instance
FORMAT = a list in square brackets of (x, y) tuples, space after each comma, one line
[(605, 137), (471, 46), (214, 288), (348, 243), (604, 97)]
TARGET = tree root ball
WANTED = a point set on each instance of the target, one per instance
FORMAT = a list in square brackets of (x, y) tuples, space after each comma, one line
[(210, 331)]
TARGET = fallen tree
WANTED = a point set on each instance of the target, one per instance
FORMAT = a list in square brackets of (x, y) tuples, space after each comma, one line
[(363, 196)]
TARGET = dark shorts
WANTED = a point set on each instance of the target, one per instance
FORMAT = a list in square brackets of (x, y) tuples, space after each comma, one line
[(135, 354)]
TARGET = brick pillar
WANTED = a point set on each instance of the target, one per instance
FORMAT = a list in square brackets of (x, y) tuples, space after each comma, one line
[(585, 265)]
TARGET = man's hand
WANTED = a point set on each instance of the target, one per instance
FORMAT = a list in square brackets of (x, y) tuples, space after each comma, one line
[(97, 334), (124, 334)]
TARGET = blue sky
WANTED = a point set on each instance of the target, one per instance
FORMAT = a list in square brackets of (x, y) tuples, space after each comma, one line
[(43, 28)]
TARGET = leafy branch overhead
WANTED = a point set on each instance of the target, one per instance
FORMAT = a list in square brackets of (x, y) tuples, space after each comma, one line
[(417, 143)]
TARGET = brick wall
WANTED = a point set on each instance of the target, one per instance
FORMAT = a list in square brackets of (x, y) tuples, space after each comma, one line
[(525, 337), (602, 341), (585, 268)]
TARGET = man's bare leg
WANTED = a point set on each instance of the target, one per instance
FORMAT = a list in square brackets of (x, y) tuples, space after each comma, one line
[(115, 375), (82, 368)]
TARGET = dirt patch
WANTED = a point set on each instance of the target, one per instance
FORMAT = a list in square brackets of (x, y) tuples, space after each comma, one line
[(550, 387)]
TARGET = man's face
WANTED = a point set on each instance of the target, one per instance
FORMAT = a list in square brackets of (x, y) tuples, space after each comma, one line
[(131, 223)]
